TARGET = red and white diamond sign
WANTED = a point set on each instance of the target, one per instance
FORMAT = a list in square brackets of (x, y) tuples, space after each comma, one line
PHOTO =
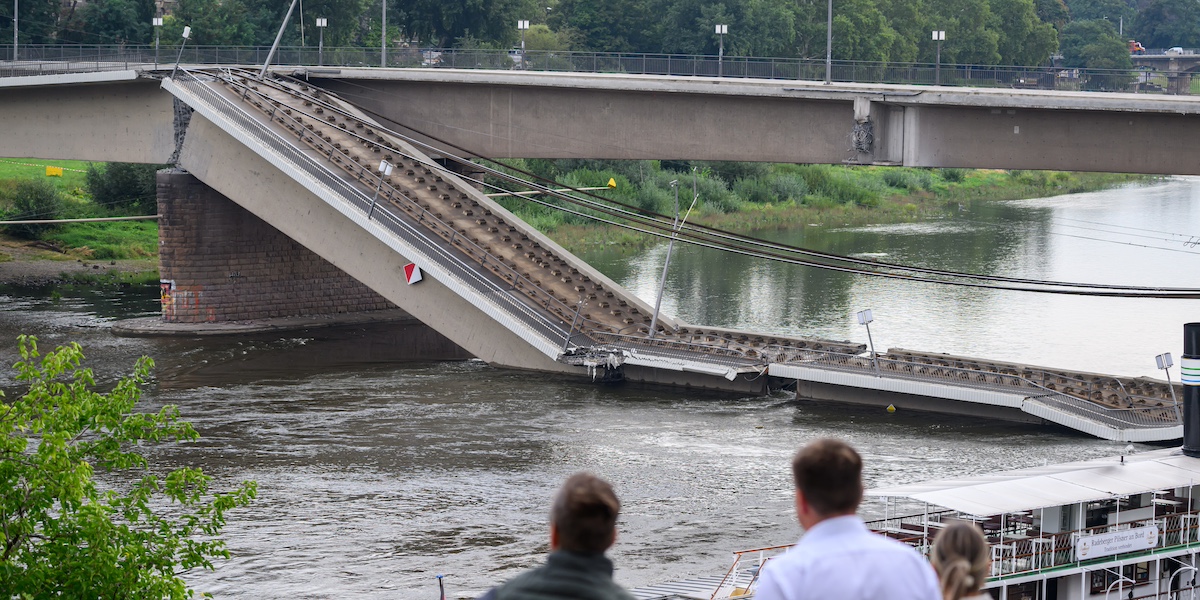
[(412, 273)]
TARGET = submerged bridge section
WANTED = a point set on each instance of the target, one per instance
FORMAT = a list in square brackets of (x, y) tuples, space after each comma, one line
[(303, 160)]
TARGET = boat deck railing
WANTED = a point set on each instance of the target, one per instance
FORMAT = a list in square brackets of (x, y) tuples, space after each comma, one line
[(745, 561), (1018, 547)]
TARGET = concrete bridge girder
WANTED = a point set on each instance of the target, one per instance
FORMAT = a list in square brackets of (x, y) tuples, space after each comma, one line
[(97, 116), (502, 115), (117, 116), (564, 122)]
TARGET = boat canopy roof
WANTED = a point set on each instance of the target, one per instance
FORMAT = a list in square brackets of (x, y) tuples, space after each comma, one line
[(1054, 485)]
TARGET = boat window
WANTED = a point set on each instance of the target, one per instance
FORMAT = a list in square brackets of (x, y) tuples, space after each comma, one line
[(1025, 591), (1102, 579)]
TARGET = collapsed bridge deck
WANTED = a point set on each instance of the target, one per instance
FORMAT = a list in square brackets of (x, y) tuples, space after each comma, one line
[(551, 311)]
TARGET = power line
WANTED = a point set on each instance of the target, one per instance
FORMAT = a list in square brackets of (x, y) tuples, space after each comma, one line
[(1114, 225)]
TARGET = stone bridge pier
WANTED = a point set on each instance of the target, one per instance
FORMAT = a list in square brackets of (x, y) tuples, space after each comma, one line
[(220, 264)]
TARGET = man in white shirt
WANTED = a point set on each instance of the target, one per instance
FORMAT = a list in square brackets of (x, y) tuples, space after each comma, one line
[(838, 558)]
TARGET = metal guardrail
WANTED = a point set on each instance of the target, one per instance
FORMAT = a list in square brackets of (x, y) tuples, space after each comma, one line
[(76, 58), (1026, 554), (516, 309)]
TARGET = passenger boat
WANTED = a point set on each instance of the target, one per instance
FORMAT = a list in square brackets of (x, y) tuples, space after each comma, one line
[(1123, 527)]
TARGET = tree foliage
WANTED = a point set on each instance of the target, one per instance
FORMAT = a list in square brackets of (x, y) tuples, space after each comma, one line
[(34, 199), (984, 32), (110, 22), (1168, 23), (124, 186), (61, 535), (1096, 45)]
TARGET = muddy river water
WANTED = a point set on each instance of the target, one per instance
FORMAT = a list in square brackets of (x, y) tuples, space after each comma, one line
[(374, 476)]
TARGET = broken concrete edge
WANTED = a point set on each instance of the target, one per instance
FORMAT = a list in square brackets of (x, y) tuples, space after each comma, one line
[(157, 327)]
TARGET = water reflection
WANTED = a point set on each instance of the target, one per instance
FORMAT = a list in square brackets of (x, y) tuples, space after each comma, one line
[(1037, 239)]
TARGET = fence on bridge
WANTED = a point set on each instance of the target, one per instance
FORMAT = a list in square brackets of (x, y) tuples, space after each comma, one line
[(45, 59)]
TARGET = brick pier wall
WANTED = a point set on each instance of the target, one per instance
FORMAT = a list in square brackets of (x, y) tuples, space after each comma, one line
[(219, 262)]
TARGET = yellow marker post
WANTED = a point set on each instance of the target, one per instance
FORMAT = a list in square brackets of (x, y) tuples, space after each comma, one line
[(53, 171), (891, 408), (612, 183)]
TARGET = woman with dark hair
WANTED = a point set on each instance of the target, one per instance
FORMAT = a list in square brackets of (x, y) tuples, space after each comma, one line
[(961, 560)]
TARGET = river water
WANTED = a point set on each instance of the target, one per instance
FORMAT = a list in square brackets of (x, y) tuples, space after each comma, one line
[(375, 476)]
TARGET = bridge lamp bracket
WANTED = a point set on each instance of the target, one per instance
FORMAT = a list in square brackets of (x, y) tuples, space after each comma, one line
[(865, 318), (1165, 362), (187, 33), (385, 170)]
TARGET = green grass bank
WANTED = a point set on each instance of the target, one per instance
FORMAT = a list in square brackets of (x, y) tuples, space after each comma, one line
[(750, 197)]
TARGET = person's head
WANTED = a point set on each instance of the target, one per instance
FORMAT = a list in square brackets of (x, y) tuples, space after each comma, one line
[(828, 475), (961, 560), (583, 517)]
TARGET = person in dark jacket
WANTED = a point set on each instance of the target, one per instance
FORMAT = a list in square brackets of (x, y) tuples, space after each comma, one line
[(583, 525)]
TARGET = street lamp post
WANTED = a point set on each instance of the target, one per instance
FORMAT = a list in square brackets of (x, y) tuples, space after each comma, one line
[(157, 21), (675, 229), (866, 318), (939, 37), (523, 26), (278, 38), (1165, 363), (321, 23), (662, 283), (829, 42), (187, 33), (721, 31), (385, 170), (383, 37), (15, 6)]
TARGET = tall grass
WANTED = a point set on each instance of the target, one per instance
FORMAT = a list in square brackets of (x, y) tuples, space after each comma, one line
[(751, 196), (116, 240)]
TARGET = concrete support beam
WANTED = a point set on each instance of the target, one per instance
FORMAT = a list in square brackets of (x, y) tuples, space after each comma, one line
[(1016, 138), (540, 115), (121, 121), (513, 121), (827, 392)]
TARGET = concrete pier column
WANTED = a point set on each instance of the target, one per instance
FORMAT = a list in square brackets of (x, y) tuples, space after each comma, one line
[(219, 262)]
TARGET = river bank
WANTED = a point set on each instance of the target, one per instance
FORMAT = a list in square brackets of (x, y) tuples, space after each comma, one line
[(949, 193), (31, 264)]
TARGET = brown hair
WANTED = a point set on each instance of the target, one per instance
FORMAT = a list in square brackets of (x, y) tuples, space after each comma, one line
[(829, 474), (961, 560), (585, 514)]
